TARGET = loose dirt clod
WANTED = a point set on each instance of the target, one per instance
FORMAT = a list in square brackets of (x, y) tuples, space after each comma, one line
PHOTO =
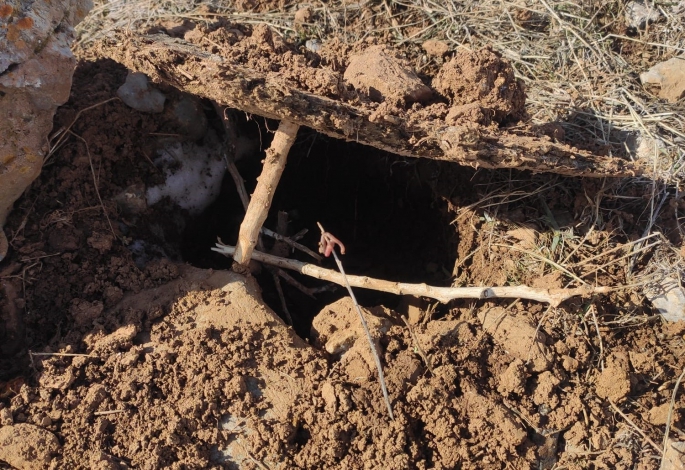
[(377, 74), (27, 447), (521, 339)]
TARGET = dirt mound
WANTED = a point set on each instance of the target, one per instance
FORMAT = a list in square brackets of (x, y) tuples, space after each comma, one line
[(480, 83)]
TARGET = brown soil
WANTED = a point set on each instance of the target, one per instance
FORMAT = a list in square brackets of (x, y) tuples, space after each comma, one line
[(181, 367), (364, 93)]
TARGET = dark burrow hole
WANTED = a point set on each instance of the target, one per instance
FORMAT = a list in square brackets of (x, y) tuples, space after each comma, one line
[(383, 207)]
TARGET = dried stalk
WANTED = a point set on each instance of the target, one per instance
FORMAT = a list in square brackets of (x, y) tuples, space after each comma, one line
[(553, 297), (324, 236), (274, 164)]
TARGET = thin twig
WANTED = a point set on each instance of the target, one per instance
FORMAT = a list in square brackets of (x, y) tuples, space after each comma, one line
[(640, 431), (418, 345), (61, 134), (95, 182), (291, 242), (328, 247), (553, 297), (669, 420), (281, 296), (31, 353), (109, 412)]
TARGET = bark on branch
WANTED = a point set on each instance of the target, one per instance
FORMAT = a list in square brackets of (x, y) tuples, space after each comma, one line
[(553, 297)]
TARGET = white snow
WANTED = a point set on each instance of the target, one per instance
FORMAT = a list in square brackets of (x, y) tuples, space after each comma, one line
[(193, 174)]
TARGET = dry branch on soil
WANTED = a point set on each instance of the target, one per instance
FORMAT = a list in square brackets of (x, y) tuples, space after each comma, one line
[(553, 297)]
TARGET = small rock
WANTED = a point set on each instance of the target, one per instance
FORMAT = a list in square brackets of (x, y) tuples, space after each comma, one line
[(381, 76), (138, 94), (674, 456), (670, 76), (435, 48), (27, 447), (313, 45), (639, 14), (6, 418), (669, 299)]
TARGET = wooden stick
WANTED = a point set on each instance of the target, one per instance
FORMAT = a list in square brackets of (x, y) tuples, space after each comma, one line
[(274, 164), (290, 241), (275, 97), (553, 297), (329, 240), (109, 412)]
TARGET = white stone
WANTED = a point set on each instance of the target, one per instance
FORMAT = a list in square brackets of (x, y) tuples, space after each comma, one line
[(669, 299), (639, 14), (670, 76)]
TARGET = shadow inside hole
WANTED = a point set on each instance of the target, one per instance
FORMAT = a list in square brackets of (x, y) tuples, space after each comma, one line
[(379, 205)]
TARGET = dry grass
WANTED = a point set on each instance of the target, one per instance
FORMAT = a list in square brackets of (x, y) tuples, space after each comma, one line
[(573, 232)]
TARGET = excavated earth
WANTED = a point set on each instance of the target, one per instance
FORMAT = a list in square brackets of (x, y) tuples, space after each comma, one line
[(118, 354)]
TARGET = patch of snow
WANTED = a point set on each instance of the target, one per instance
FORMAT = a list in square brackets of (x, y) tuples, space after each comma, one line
[(193, 174)]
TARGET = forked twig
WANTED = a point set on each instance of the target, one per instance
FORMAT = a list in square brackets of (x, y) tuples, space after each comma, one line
[(327, 247), (61, 134)]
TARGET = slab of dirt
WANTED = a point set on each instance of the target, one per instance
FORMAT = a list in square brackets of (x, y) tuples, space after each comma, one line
[(475, 95)]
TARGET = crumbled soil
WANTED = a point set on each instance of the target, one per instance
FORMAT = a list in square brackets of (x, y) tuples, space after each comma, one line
[(152, 363)]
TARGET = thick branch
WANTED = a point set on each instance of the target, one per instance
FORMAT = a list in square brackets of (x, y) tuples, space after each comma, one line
[(553, 297)]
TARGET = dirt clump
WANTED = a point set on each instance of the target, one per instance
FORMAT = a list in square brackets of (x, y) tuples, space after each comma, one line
[(382, 77), (484, 80), (517, 336), (26, 446), (614, 381)]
